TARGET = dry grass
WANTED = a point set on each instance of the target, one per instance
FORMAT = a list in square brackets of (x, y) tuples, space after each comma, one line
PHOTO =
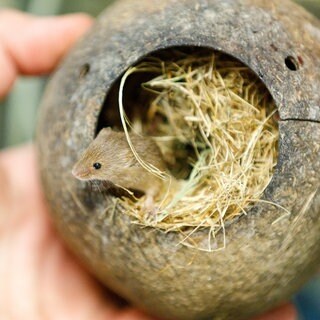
[(215, 123)]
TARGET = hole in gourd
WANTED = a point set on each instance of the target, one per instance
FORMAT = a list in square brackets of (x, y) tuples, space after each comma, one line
[(84, 70), (291, 63), (216, 125)]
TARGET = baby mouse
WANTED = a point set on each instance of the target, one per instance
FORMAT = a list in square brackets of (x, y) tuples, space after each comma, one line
[(110, 159)]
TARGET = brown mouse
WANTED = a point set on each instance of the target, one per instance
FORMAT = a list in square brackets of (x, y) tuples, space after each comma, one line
[(109, 158)]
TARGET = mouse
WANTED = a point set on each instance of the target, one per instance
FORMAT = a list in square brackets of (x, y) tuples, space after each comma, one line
[(110, 159)]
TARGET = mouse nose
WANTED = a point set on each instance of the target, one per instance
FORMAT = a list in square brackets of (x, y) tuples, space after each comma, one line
[(80, 173)]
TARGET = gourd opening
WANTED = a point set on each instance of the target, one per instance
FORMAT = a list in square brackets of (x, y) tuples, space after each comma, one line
[(216, 126)]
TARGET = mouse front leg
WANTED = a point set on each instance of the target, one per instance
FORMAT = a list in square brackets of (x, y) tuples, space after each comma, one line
[(149, 204), (149, 201)]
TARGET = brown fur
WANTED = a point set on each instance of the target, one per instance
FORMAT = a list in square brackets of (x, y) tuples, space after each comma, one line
[(118, 164)]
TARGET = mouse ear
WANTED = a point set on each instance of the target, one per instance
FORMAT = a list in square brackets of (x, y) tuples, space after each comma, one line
[(106, 130)]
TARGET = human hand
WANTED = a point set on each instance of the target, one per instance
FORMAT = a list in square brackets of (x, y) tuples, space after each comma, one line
[(40, 279)]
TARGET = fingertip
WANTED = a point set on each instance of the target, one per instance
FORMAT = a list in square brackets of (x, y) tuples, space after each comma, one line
[(8, 74), (80, 18), (75, 24), (133, 314), (32, 45), (290, 312), (284, 312), (55, 37)]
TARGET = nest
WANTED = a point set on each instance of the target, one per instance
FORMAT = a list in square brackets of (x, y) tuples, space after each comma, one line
[(216, 125)]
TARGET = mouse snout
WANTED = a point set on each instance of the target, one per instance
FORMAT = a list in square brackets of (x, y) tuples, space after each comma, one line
[(80, 173)]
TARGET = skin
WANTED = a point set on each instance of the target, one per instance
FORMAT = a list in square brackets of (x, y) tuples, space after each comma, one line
[(40, 278)]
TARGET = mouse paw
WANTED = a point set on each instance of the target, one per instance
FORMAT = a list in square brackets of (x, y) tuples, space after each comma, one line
[(151, 215), (149, 203)]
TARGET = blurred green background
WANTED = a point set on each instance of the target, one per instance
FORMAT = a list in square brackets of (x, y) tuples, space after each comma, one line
[(18, 110)]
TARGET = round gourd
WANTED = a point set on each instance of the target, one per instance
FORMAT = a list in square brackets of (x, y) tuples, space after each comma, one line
[(265, 259)]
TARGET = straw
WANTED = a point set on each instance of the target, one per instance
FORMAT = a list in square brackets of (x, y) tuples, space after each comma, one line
[(212, 118)]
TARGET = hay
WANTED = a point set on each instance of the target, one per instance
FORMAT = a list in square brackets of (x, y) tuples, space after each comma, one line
[(214, 122)]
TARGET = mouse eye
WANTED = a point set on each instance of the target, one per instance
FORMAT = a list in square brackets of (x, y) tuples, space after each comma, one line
[(97, 165)]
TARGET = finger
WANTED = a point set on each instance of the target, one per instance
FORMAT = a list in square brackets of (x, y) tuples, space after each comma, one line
[(133, 314), (16, 168), (285, 312), (20, 233), (35, 263), (32, 46)]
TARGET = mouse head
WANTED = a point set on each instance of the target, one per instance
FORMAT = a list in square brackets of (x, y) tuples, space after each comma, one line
[(96, 161)]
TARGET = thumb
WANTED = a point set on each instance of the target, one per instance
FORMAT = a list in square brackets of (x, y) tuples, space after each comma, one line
[(32, 46)]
